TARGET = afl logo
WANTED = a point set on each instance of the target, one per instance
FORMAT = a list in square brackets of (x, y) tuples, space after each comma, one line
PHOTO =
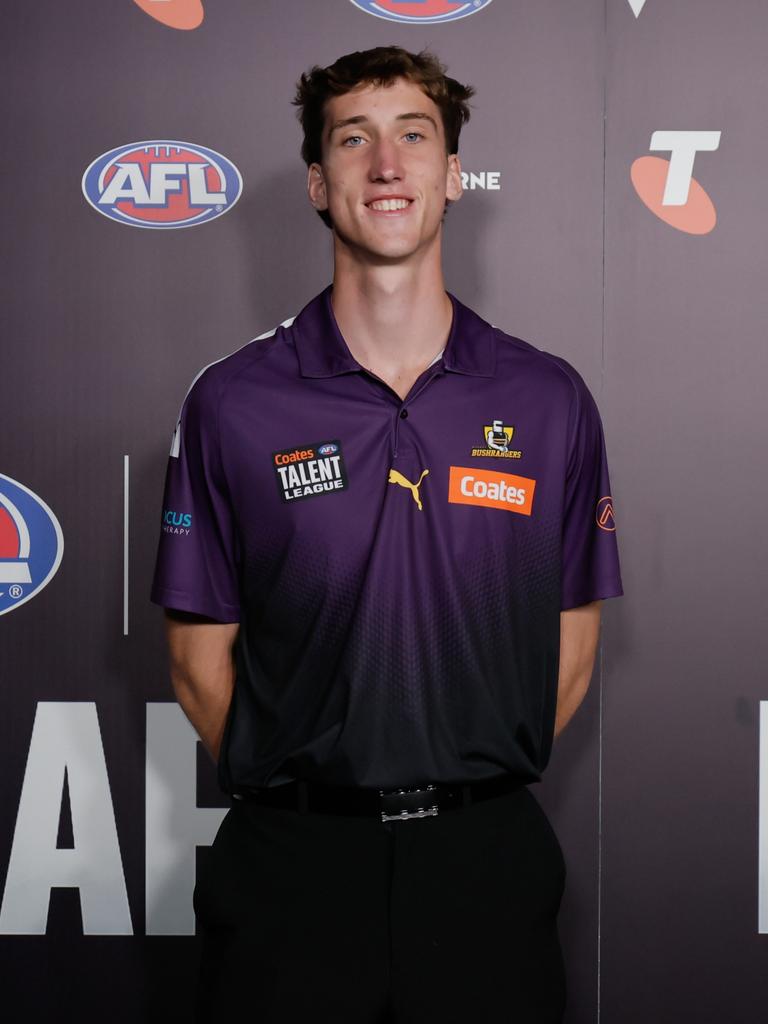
[(421, 10), (327, 449), (162, 184), (31, 544)]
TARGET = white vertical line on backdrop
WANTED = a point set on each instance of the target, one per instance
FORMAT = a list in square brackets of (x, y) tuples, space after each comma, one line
[(600, 649), (126, 482), (762, 824)]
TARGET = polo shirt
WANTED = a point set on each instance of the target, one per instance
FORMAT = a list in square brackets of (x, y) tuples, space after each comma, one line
[(397, 567)]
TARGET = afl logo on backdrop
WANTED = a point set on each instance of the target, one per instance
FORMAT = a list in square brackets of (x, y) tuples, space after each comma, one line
[(421, 10), (31, 544), (162, 184)]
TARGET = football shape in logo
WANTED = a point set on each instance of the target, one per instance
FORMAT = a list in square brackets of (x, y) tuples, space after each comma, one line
[(31, 544), (421, 10), (162, 184)]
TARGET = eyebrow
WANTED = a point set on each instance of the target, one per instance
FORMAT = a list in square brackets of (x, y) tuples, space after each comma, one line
[(362, 119)]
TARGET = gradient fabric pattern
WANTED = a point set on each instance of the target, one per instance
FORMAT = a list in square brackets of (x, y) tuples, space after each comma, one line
[(398, 568)]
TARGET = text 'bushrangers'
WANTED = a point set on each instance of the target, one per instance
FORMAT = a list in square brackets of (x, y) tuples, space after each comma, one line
[(309, 470)]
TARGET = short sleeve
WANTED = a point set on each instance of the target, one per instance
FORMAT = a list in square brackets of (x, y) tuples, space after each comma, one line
[(590, 557), (197, 558)]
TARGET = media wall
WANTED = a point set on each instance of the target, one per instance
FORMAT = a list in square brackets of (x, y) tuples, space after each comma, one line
[(155, 220)]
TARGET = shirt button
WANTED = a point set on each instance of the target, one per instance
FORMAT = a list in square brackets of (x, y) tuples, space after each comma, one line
[(403, 414)]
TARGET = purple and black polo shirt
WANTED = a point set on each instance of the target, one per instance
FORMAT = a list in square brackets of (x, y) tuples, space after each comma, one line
[(397, 568)]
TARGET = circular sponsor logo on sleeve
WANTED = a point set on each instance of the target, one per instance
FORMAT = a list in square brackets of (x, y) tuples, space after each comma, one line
[(421, 10), (31, 544), (604, 514)]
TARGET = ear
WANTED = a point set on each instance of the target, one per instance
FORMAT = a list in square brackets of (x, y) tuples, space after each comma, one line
[(453, 187), (316, 187)]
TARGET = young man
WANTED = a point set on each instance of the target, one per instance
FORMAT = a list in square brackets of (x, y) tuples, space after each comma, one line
[(384, 603)]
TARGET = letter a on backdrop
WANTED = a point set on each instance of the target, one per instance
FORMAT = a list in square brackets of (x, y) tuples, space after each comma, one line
[(65, 738)]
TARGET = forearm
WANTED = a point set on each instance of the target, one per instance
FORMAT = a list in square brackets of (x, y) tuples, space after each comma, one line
[(579, 632), (202, 672), (571, 691), (205, 702)]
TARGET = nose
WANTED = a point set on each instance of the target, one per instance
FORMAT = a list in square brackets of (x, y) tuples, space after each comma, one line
[(385, 162)]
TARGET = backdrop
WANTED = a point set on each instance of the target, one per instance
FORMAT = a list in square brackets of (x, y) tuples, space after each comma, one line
[(156, 220)]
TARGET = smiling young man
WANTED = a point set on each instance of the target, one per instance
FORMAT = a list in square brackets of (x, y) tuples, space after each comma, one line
[(386, 604)]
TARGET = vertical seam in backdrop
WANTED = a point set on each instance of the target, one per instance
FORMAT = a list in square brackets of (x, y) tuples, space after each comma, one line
[(600, 656)]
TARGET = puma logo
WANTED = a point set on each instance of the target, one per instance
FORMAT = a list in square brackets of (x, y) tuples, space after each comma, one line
[(398, 478)]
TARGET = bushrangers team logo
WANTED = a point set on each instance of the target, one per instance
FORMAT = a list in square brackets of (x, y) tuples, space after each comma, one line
[(31, 544), (421, 10), (162, 184), (497, 437)]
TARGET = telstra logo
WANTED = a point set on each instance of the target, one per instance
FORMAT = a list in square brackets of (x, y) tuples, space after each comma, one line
[(668, 188), (421, 10), (182, 14)]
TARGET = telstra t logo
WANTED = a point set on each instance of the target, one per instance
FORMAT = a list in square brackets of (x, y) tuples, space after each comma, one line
[(183, 14), (668, 188)]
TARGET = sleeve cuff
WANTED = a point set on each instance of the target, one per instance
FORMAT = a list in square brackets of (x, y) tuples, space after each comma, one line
[(597, 592), (179, 600)]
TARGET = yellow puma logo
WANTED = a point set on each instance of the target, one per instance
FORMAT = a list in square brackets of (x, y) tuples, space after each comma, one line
[(398, 478)]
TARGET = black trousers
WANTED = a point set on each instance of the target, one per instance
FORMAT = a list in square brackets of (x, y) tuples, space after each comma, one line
[(323, 918)]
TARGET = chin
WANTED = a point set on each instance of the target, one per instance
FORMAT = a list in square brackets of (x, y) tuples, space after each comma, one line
[(376, 246)]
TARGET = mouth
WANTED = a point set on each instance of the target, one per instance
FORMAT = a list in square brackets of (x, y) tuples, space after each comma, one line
[(390, 204)]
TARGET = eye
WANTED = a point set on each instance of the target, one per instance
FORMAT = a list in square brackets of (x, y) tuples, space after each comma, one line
[(352, 141), (410, 136)]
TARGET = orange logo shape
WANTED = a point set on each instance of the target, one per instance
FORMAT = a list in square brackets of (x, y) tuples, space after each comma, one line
[(696, 217), (604, 514), (491, 490), (182, 14)]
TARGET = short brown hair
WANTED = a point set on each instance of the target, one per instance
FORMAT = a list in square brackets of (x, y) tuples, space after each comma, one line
[(380, 66)]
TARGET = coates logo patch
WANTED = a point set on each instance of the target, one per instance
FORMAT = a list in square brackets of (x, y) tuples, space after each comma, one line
[(604, 514), (31, 544), (309, 471), (162, 184), (491, 490), (497, 439), (183, 14), (421, 10)]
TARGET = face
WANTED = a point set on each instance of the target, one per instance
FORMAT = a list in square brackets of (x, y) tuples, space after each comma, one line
[(385, 174)]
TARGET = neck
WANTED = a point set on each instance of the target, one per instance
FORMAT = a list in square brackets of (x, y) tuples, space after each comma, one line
[(394, 318)]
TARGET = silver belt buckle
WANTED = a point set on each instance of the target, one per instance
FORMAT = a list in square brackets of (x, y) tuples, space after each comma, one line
[(409, 796)]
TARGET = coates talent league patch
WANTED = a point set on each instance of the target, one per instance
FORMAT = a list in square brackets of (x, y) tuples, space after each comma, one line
[(310, 470)]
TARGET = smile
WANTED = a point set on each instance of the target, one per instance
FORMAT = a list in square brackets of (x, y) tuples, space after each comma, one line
[(389, 205)]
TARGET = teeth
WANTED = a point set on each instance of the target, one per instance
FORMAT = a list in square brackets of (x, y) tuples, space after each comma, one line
[(389, 204)]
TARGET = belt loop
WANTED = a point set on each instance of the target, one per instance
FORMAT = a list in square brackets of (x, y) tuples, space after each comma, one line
[(302, 796), (466, 796)]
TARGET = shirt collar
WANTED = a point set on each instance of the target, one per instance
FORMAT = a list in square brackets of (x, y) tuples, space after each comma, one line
[(322, 351)]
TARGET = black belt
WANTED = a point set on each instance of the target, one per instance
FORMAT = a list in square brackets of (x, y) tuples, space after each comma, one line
[(391, 805)]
